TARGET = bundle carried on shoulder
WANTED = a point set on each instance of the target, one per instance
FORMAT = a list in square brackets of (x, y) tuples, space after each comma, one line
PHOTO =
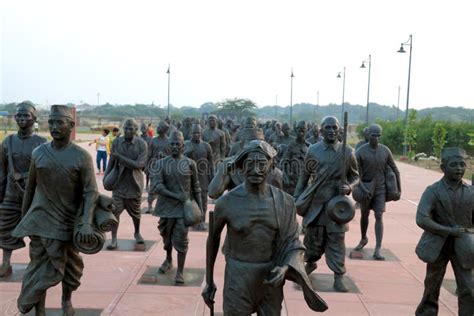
[(104, 221)]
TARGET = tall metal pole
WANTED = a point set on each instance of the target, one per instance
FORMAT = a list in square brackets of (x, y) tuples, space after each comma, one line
[(368, 93), (398, 103), (169, 75), (405, 145), (343, 91), (276, 107), (315, 108), (291, 99), (98, 98)]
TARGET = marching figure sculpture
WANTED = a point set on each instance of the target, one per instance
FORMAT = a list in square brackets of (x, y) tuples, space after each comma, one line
[(61, 191), (323, 235), (176, 181), (200, 151), (127, 161), (262, 248), (158, 149), (15, 160), (446, 214), (374, 160), (216, 138)]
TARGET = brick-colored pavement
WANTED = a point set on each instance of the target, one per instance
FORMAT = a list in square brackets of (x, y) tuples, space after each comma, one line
[(112, 285)]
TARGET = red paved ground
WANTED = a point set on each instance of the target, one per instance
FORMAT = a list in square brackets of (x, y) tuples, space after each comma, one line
[(110, 281)]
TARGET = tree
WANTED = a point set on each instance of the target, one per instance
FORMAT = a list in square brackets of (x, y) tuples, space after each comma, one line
[(439, 138), (236, 107)]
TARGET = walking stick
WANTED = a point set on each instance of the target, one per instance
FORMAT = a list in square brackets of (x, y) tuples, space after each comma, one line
[(209, 254)]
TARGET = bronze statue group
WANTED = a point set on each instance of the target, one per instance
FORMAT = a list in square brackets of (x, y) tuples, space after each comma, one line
[(261, 178)]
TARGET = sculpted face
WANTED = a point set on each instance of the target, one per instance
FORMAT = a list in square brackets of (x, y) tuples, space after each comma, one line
[(374, 133), (330, 129), (454, 169), (129, 129), (143, 128), (286, 129), (256, 167), (60, 127), (162, 129), (176, 146), (212, 122), (24, 119)]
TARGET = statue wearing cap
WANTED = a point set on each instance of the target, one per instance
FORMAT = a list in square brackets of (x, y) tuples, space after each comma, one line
[(61, 193), (158, 149), (200, 151), (216, 138), (127, 160), (15, 160), (446, 214), (263, 248), (176, 181), (323, 233), (292, 161)]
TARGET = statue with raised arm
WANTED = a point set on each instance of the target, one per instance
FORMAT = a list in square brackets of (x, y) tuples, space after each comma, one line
[(262, 248), (61, 193), (15, 160), (446, 214)]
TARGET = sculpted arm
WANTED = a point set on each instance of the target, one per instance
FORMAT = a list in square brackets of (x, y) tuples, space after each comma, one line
[(392, 165), (3, 171), (195, 185), (90, 190), (424, 215), (30, 189), (139, 163), (159, 183), (304, 175), (219, 182)]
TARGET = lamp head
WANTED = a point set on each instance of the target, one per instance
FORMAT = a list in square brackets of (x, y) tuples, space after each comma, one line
[(339, 75), (363, 65), (401, 50)]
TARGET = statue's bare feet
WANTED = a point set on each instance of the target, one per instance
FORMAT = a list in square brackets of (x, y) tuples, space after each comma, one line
[(5, 270), (179, 279), (68, 309), (138, 238), (165, 267), (378, 256), (362, 243), (310, 267), (113, 245)]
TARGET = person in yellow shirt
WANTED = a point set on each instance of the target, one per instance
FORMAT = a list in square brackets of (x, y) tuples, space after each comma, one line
[(102, 145)]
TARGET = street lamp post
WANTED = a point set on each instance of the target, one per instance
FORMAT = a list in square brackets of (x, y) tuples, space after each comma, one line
[(291, 98), (402, 50), (169, 73), (398, 103), (369, 62), (343, 90), (98, 98), (316, 106)]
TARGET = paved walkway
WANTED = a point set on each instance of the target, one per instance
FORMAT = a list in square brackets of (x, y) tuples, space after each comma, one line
[(113, 282)]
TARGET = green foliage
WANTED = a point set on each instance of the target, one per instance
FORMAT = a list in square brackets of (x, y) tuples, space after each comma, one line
[(439, 138), (392, 134), (236, 107)]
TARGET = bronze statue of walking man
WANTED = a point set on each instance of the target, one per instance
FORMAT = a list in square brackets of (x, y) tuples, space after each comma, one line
[(15, 160), (446, 214), (60, 192)]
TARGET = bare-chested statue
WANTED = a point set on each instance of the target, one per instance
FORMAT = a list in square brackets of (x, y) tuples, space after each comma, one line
[(216, 138), (176, 180), (373, 159), (158, 149), (262, 248), (15, 160), (446, 214), (61, 191), (129, 154), (293, 159), (200, 151)]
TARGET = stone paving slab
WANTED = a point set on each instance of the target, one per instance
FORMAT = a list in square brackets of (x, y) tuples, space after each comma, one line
[(111, 281)]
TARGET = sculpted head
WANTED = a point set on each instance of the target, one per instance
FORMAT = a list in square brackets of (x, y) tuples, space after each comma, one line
[(176, 142), (374, 133), (196, 132), (286, 129), (301, 129), (162, 128), (453, 163), (60, 122), (255, 160), (212, 121), (25, 115), (143, 128), (130, 128), (330, 129)]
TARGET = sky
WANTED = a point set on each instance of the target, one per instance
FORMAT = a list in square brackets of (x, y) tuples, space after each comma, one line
[(69, 51)]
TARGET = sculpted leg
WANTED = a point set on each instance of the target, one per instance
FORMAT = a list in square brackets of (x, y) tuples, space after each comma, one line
[(6, 268), (364, 224), (113, 244), (378, 235), (180, 273), (66, 303), (137, 235)]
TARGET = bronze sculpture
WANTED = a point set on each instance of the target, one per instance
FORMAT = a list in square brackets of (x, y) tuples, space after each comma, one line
[(50, 214), (262, 248), (200, 151), (323, 235), (158, 149), (373, 160), (15, 160), (446, 214), (127, 160), (216, 138), (293, 159), (176, 181)]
